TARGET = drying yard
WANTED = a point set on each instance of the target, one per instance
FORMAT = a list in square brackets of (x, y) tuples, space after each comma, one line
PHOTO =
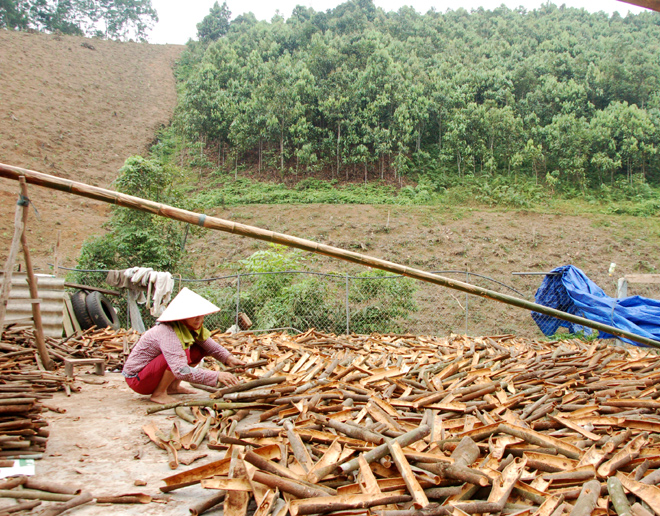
[(395, 425)]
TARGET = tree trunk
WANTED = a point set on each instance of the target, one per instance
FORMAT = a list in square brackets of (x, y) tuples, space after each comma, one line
[(440, 134), (338, 142), (282, 151)]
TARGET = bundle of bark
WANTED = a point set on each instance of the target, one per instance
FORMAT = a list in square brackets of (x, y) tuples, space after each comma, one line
[(23, 387), (111, 345), (421, 426), (25, 383), (31, 492), (23, 431)]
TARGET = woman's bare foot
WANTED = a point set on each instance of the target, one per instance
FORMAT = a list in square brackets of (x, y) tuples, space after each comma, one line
[(176, 388), (162, 398), (179, 390)]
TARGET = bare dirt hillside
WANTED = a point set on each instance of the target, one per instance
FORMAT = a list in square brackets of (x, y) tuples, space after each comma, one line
[(75, 108)]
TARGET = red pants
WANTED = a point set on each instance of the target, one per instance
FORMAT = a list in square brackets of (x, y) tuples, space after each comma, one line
[(149, 378)]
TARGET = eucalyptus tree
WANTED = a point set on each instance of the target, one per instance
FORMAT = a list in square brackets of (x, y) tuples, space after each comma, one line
[(286, 93), (555, 91), (215, 24), (110, 19)]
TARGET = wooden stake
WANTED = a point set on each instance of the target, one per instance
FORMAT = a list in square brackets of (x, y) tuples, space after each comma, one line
[(56, 267), (5, 288), (32, 283)]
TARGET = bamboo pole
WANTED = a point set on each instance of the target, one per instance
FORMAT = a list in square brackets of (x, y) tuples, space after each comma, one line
[(56, 258), (136, 203)]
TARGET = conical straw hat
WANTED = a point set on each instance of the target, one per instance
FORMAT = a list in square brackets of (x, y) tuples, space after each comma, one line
[(187, 304)]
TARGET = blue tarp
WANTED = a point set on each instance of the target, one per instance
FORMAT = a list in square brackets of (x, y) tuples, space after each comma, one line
[(573, 292)]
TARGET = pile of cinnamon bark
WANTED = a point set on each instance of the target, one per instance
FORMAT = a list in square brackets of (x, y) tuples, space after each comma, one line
[(19, 343), (418, 426), (25, 383), (23, 388)]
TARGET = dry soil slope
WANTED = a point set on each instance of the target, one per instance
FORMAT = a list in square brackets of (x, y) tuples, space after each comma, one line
[(76, 112)]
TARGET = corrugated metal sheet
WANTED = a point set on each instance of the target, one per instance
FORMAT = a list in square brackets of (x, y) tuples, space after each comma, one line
[(51, 293)]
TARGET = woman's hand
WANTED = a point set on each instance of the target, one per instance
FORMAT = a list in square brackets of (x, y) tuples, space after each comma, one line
[(232, 361), (226, 379)]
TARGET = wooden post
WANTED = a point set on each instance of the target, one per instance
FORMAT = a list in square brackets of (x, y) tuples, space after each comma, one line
[(56, 266), (32, 283), (5, 288)]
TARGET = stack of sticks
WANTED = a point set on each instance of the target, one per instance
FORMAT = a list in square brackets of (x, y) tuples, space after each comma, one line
[(422, 426), (23, 431), (24, 382), (30, 492), (23, 387), (111, 345)]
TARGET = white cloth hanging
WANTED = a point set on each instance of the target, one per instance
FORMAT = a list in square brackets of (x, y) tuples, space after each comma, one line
[(163, 284)]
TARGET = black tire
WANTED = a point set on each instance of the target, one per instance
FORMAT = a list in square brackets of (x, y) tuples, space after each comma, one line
[(101, 311), (78, 301)]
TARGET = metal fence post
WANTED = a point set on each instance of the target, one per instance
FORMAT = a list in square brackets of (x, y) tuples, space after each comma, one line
[(348, 312), (238, 298)]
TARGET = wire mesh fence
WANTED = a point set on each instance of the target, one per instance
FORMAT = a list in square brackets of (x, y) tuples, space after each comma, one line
[(363, 303)]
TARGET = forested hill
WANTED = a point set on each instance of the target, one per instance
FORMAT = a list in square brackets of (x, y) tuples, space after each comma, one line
[(556, 94)]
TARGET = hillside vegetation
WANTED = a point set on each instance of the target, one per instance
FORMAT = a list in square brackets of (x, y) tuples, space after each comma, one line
[(548, 110), (64, 97), (556, 97)]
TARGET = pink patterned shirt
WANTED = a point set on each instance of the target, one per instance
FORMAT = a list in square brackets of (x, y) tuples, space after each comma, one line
[(162, 339)]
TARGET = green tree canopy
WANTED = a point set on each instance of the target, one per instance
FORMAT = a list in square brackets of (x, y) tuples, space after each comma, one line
[(215, 24), (358, 92), (112, 19)]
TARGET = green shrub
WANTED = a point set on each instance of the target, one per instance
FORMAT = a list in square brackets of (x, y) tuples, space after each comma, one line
[(380, 302), (137, 238)]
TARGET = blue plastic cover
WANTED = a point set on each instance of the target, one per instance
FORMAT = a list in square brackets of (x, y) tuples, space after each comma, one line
[(573, 292)]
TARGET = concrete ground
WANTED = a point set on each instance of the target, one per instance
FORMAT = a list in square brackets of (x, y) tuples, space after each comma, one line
[(94, 446)]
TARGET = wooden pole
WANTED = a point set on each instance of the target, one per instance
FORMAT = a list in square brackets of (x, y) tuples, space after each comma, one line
[(5, 288), (56, 261), (129, 201), (32, 283)]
